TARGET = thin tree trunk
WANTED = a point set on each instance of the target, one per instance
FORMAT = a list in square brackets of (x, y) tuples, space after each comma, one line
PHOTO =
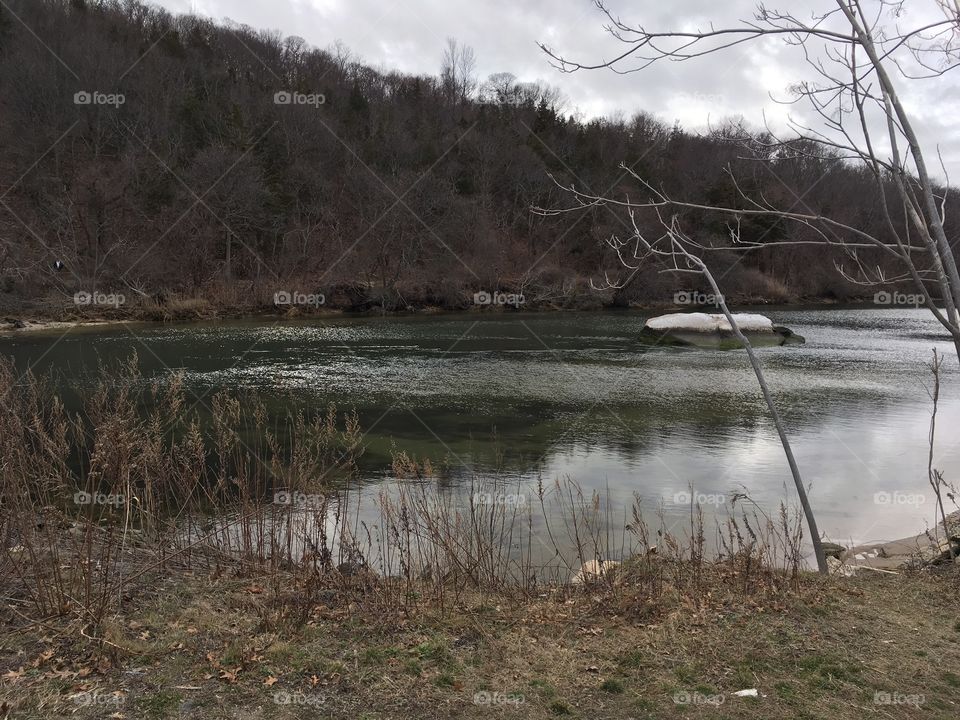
[(936, 480), (777, 421)]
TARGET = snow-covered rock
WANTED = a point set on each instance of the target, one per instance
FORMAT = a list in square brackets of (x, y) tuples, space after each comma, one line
[(709, 322), (713, 330)]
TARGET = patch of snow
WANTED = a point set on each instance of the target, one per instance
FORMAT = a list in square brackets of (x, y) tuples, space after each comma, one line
[(710, 322)]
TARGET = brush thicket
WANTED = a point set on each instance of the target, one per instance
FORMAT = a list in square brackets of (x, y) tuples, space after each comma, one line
[(146, 479)]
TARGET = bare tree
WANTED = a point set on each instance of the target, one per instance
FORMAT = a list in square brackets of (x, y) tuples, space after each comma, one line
[(861, 53), (458, 70), (500, 88)]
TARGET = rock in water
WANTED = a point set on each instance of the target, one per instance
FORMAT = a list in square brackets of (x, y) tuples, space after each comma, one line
[(710, 322), (714, 330)]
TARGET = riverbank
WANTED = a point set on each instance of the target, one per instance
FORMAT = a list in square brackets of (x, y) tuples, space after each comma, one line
[(939, 544), (259, 304), (209, 646)]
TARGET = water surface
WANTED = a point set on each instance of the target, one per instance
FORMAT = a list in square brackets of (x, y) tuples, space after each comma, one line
[(542, 396)]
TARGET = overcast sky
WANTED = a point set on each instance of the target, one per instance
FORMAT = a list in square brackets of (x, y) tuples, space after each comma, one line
[(409, 35)]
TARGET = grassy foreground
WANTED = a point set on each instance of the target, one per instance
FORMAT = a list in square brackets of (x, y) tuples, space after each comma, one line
[(885, 646)]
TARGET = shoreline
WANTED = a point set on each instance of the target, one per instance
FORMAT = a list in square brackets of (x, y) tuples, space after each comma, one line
[(39, 318), (894, 556)]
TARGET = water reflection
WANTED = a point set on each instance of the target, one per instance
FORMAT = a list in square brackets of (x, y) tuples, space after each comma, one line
[(546, 396)]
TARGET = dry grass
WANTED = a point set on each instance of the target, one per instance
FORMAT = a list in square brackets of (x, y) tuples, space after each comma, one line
[(138, 482), (198, 647), (174, 309)]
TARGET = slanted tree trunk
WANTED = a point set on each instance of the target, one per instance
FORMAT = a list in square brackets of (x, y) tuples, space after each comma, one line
[(777, 420)]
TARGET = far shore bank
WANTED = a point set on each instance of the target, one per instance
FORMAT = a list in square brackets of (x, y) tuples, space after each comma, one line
[(46, 317)]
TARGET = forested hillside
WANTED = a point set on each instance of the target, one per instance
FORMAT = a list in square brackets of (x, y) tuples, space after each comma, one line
[(172, 157)]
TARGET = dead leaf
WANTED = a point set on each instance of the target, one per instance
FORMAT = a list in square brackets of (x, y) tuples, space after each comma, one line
[(42, 658), (270, 681)]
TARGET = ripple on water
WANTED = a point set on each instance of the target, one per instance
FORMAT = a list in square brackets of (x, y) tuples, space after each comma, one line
[(578, 395)]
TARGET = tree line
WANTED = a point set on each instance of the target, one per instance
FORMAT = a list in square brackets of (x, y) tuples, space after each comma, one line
[(166, 156)]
